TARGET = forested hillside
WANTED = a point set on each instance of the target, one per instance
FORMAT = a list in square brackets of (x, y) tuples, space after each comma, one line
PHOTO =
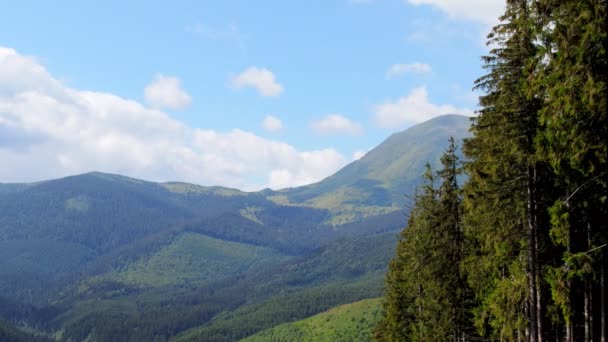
[(518, 252), (106, 257)]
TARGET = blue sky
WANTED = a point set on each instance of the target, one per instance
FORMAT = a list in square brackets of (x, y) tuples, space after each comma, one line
[(246, 94)]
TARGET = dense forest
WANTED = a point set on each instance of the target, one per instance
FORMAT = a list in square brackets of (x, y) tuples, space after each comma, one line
[(518, 252)]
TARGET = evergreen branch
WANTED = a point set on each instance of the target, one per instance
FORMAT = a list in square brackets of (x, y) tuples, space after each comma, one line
[(582, 186)]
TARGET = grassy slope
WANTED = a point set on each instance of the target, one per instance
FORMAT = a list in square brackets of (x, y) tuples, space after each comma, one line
[(151, 286), (124, 303), (192, 258), (387, 171), (349, 322), (298, 305), (342, 272), (378, 181), (345, 271)]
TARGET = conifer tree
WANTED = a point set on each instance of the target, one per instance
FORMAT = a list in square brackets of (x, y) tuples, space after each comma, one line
[(574, 82), (532, 231), (505, 190), (425, 290)]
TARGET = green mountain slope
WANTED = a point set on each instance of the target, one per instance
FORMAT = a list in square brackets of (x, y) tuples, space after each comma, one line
[(350, 322), (386, 173), (105, 256), (103, 212), (192, 258), (344, 271), (250, 319)]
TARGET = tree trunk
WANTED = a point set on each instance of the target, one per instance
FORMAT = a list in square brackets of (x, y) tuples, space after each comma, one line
[(537, 278), (603, 296), (588, 289), (533, 314), (539, 305), (588, 311)]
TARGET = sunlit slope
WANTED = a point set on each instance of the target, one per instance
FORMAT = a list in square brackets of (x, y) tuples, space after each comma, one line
[(385, 174), (342, 272), (350, 322), (191, 258)]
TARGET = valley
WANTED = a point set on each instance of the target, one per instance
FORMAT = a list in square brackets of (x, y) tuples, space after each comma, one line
[(99, 256)]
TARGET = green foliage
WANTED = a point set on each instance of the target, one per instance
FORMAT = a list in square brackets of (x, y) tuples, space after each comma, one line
[(32, 270), (426, 294), (508, 183), (54, 232), (295, 306), (265, 295), (192, 258), (349, 322)]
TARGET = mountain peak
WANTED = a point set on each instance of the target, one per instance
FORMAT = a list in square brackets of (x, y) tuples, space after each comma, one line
[(387, 172)]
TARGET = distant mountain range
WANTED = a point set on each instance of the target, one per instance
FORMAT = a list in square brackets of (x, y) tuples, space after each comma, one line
[(95, 254)]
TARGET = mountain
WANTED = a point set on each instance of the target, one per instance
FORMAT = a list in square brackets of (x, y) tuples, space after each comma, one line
[(378, 181), (98, 256)]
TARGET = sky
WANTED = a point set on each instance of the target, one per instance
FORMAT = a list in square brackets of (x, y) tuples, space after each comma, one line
[(243, 94)]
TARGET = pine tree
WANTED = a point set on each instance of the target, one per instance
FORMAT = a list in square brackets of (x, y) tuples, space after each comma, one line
[(425, 290)]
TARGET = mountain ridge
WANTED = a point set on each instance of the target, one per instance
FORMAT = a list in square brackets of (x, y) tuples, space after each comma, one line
[(420, 131), (120, 243)]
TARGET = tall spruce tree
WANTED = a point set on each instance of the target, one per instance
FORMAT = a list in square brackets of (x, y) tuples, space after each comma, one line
[(574, 82), (425, 289), (506, 179), (534, 232)]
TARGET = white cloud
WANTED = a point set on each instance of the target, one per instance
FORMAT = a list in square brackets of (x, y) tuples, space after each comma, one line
[(321, 161), (358, 154), (484, 11), (166, 92), (49, 130), (416, 68), (411, 109), (263, 80), (336, 124), (272, 123)]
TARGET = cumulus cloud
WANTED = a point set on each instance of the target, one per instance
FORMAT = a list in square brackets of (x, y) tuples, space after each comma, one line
[(336, 124), (484, 11), (166, 92), (56, 130), (263, 80), (288, 177), (272, 123), (411, 109), (415, 68)]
